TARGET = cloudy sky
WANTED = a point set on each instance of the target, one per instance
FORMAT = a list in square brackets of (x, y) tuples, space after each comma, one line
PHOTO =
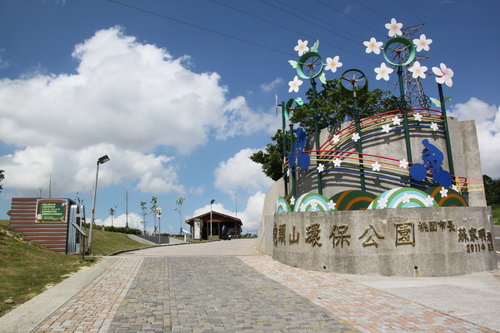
[(180, 93)]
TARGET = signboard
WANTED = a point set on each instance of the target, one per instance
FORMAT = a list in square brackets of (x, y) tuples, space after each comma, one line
[(51, 211)]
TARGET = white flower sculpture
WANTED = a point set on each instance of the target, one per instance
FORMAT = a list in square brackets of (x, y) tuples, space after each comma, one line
[(295, 84), (417, 70), (382, 203), (422, 43), (394, 28), (332, 64), (418, 117), (383, 72), (321, 167), (396, 121), (403, 164), (336, 162), (443, 74), (355, 137), (386, 128), (429, 201), (376, 166), (373, 46), (301, 47)]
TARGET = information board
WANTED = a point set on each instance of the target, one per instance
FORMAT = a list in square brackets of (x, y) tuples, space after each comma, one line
[(51, 211)]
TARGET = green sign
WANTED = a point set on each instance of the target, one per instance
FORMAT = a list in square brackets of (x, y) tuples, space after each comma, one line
[(51, 210)]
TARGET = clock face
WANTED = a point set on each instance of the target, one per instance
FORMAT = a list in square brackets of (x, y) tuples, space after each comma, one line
[(399, 51), (310, 65), (354, 80)]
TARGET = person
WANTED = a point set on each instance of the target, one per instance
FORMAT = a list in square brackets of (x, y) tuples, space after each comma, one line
[(224, 232)]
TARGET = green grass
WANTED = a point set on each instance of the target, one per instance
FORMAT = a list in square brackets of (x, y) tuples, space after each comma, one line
[(26, 269), (495, 208), (104, 242)]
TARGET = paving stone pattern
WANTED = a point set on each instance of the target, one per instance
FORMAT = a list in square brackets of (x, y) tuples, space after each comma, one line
[(93, 308), (367, 309), (215, 294), (203, 288)]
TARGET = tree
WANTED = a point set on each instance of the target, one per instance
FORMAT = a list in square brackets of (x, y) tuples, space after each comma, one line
[(112, 212), (154, 206), (272, 158), (144, 213), (333, 105), (1, 178), (179, 203), (492, 190)]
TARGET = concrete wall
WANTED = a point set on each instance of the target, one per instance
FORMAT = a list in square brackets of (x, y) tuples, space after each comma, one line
[(465, 150), (265, 240), (435, 253), (369, 242)]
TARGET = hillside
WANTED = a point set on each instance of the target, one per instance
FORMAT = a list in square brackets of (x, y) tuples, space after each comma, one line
[(27, 269)]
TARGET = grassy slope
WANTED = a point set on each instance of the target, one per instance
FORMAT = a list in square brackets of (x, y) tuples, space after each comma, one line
[(104, 242), (27, 268)]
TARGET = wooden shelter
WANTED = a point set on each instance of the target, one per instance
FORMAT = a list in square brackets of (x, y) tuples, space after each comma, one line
[(209, 225)]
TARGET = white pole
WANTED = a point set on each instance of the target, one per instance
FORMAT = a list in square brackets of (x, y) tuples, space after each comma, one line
[(93, 208)]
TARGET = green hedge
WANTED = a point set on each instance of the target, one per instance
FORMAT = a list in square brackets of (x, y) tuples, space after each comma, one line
[(123, 230)]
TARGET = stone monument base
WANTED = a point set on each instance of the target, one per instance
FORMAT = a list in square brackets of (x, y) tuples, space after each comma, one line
[(439, 241)]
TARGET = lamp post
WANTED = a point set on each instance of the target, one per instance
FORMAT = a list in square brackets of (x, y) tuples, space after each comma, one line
[(211, 203), (101, 160)]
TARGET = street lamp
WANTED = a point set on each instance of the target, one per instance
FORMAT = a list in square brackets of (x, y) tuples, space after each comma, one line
[(101, 160), (211, 203)]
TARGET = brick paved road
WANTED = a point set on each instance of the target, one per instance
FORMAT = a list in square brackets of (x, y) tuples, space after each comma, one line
[(201, 288)]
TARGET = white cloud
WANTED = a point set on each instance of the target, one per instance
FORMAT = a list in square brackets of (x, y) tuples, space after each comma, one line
[(242, 120), (241, 173), (253, 211), (125, 99), (134, 221), (73, 171), (270, 86), (487, 119)]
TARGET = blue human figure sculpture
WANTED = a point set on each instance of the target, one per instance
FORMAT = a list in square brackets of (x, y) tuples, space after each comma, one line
[(433, 162), (298, 158), (432, 157)]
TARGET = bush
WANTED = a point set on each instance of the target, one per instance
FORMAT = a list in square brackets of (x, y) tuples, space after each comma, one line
[(123, 230)]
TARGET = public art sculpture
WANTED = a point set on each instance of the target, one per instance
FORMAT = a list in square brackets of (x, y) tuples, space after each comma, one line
[(354, 171)]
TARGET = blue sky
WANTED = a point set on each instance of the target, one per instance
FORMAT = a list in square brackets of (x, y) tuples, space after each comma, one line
[(180, 93)]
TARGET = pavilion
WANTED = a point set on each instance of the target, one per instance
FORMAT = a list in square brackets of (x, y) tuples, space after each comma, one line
[(201, 228)]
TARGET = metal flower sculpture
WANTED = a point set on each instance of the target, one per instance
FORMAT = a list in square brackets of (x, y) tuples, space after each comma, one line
[(443, 74), (398, 52), (310, 64)]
